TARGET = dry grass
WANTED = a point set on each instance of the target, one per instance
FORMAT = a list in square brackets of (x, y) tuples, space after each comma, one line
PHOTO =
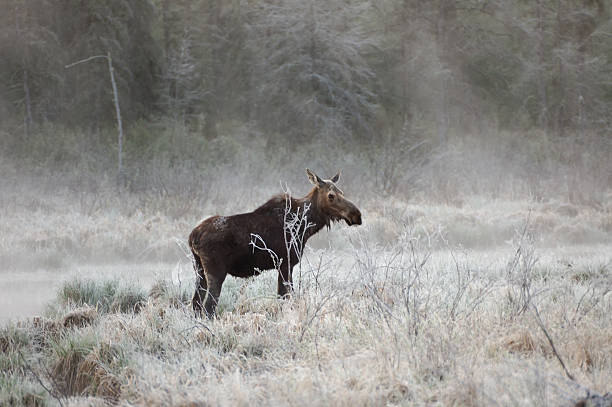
[(81, 368), (370, 327), (80, 317), (426, 304)]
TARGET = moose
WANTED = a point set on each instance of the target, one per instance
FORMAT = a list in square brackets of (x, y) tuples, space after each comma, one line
[(244, 245)]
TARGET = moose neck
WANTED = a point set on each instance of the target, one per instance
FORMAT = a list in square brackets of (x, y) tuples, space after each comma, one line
[(314, 215)]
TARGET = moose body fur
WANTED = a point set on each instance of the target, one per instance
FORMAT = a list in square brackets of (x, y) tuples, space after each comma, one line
[(223, 245)]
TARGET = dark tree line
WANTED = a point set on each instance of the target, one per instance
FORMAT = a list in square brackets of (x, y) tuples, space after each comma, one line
[(339, 70)]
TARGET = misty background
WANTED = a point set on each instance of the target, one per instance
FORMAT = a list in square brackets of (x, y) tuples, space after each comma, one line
[(465, 117), (439, 99)]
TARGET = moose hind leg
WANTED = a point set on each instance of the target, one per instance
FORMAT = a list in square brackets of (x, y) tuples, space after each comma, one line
[(201, 286), (199, 295), (214, 291)]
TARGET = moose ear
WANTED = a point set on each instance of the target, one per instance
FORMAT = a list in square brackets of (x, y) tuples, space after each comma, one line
[(336, 177), (314, 178)]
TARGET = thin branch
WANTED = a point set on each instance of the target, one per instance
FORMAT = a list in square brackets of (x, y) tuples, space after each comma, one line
[(550, 341), (85, 60), (38, 379)]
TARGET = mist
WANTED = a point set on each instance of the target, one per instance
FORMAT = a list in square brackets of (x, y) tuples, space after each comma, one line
[(473, 136)]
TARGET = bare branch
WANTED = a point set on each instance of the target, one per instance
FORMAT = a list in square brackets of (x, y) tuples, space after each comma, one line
[(38, 379), (84, 60), (550, 341)]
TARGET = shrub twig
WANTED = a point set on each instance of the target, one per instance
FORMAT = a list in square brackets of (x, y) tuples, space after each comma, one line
[(39, 380), (550, 341)]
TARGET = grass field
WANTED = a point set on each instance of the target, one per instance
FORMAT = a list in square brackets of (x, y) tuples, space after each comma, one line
[(477, 302)]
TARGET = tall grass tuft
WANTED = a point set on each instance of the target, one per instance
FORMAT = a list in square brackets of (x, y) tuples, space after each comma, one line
[(15, 391), (12, 342), (107, 295), (80, 365), (15, 387), (176, 296)]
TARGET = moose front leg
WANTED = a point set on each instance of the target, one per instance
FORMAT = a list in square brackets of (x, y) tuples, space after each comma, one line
[(285, 282)]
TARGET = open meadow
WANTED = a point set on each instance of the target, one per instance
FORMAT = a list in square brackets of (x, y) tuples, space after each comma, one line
[(473, 300), (472, 140)]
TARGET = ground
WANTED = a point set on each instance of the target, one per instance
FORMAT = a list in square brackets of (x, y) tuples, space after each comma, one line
[(471, 303)]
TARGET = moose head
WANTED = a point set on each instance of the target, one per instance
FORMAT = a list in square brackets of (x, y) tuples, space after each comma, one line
[(330, 200)]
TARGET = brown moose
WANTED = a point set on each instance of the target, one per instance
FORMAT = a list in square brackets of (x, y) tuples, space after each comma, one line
[(244, 245)]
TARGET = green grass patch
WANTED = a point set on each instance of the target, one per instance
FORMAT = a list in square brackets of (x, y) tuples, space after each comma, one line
[(106, 296)]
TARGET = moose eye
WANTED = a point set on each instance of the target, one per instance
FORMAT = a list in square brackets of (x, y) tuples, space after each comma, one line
[(331, 197)]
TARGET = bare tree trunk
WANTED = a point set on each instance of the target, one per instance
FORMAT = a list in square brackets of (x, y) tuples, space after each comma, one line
[(562, 108), (444, 23), (119, 123), (314, 82), (586, 26), (543, 116), (212, 108), (28, 103), (313, 49), (442, 115), (111, 70), (166, 28), (26, 86), (405, 42)]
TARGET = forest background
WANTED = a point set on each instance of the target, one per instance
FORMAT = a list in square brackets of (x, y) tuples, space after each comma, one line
[(438, 99)]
